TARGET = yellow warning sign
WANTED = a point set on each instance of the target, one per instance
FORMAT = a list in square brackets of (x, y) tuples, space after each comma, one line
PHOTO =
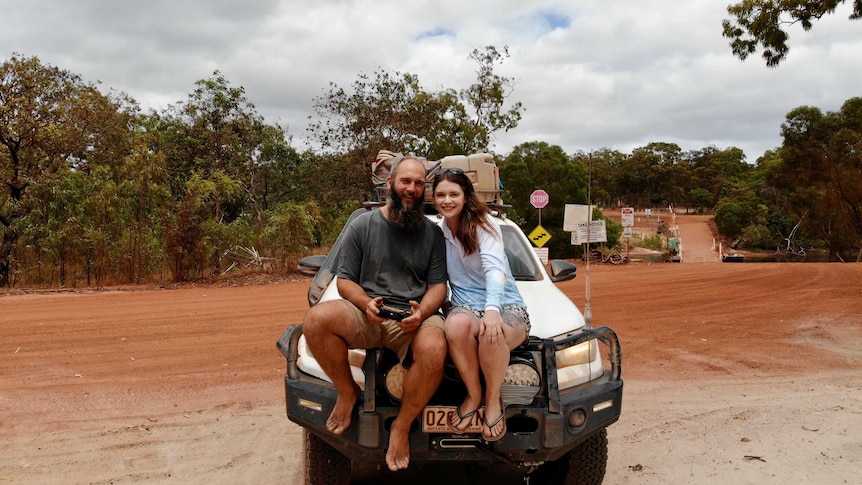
[(539, 236)]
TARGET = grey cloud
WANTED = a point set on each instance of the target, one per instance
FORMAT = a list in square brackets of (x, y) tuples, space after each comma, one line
[(590, 74)]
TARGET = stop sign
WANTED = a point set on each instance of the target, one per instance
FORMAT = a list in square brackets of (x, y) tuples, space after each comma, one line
[(539, 198)]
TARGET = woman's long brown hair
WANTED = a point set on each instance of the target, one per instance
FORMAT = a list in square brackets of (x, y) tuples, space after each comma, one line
[(473, 214)]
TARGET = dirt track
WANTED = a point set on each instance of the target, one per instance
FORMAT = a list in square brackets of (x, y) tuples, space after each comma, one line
[(735, 373)]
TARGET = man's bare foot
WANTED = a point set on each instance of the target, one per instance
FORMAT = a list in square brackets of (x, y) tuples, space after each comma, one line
[(398, 454), (342, 412)]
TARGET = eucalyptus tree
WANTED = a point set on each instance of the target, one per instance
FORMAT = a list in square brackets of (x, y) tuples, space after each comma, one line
[(392, 111), (603, 167), (217, 128), (820, 171), (143, 192), (51, 121), (647, 177), (763, 23), (226, 165), (386, 111), (486, 100), (712, 173), (538, 165)]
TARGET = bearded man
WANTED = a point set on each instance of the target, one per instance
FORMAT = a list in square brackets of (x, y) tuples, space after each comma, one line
[(396, 257)]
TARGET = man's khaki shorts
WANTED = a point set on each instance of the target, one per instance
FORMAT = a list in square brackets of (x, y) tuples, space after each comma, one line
[(387, 334)]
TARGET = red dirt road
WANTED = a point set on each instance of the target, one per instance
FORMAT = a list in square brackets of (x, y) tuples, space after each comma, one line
[(184, 385)]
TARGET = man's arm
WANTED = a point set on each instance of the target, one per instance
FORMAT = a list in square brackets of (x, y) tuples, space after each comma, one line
[(352, 292), (432, 300)]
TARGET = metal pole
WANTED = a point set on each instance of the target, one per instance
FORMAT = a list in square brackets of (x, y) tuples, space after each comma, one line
[(588, 311)]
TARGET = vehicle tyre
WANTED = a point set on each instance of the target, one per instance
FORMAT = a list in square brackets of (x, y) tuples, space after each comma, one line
[(584, 465), (323, 463)]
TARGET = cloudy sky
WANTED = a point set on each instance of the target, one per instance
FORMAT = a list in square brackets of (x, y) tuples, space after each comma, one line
[(590, 73)]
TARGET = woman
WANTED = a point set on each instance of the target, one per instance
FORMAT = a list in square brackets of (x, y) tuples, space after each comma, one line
[(488, 317)]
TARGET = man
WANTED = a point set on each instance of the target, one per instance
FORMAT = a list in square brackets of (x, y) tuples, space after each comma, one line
[(392, 255)]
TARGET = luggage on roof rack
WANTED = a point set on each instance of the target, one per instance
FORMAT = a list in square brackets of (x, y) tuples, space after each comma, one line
[(479, 167)]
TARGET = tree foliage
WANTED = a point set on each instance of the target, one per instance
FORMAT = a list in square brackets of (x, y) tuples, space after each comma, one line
[(486, 98), (92, 192), (538, 165), (392, 111), (763, 23), (51, 121), (821, 165), (813, 181)]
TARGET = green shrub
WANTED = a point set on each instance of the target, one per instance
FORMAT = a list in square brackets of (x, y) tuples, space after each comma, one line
[(655, 242)]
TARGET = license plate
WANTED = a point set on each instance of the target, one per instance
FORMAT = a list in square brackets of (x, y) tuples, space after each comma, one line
[(435, 419)]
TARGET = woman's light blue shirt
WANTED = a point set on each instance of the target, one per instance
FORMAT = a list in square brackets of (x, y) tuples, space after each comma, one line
[(482, 280)]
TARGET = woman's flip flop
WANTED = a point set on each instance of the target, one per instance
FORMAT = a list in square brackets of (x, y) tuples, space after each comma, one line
[(490, 426), (455, 426)]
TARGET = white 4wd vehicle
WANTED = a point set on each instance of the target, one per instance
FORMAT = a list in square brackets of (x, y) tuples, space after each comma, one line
[(563, 388)]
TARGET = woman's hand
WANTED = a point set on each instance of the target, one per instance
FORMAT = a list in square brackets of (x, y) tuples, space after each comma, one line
[(492, 328)]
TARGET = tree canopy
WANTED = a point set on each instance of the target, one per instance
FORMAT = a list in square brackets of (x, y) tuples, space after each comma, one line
[(52, 124), (763, 23), (92, 191)]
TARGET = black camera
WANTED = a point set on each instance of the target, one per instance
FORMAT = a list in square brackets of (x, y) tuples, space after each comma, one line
[(393, 313)]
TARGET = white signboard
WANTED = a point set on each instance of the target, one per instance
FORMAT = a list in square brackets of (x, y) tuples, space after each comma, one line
[(542, 253), (627, 232), (575, 214), (628, 214), (598, 233)]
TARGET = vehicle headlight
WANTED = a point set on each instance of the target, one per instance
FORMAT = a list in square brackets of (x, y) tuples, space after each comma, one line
[(583, 353)]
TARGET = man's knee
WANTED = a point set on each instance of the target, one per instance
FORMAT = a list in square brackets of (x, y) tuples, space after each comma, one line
[(430, 346), (318, 319)]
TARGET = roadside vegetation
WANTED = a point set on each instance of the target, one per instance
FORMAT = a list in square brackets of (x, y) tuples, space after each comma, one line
[(93, 191)]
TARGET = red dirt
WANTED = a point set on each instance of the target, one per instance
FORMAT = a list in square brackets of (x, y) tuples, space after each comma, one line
[(79, 370)]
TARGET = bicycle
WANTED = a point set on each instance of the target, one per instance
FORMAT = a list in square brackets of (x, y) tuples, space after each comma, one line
[(612, 257)]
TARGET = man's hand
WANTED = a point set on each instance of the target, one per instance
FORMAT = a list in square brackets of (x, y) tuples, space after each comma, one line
[(412, 322), (372, 310)]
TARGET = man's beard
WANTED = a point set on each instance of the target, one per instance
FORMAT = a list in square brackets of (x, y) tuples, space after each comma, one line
[(410, 218)]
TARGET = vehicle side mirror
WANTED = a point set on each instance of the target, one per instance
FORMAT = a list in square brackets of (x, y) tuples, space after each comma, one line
[(310, 265), (562, 270)]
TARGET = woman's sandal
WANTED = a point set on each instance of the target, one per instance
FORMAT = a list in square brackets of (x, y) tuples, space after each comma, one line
[(461, 418), (491, 426)]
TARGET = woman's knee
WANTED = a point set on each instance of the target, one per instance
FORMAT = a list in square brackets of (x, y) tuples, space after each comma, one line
[(459, 326)]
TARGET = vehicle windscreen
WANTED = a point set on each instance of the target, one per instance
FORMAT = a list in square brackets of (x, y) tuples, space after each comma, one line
[(520, 255)]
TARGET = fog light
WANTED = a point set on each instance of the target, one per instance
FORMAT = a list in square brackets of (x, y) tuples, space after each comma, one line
[(577, 418)]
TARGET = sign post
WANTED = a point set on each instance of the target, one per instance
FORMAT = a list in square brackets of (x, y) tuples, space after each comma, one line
[(578, 219), (539, 198), (628, 216)]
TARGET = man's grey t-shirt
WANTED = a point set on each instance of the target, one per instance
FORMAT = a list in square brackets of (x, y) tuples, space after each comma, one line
[(395, 263)]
